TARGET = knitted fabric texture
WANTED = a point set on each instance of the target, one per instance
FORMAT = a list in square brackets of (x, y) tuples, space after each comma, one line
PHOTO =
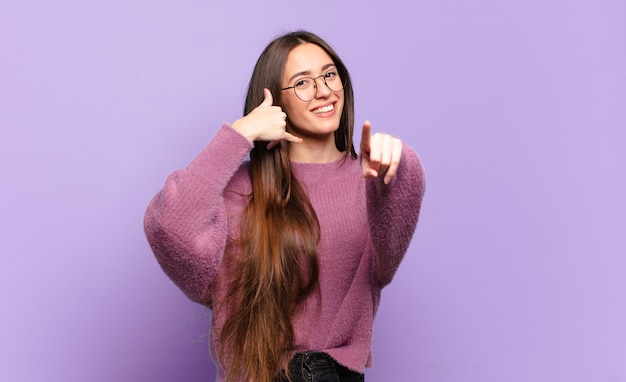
[(366, 228)]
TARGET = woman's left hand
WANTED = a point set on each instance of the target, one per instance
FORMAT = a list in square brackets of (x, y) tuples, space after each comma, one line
[(380, 154)]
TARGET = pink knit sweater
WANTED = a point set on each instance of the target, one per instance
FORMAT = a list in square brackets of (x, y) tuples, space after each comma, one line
[(366, 227)]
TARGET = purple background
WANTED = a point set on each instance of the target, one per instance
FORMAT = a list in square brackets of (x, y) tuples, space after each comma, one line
[(517, 271)]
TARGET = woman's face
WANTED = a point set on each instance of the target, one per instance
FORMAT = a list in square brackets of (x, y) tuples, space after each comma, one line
[(320, 116)]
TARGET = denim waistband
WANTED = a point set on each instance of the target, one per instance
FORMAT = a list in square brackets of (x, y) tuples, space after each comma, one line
[(315, 366), (313, 359)]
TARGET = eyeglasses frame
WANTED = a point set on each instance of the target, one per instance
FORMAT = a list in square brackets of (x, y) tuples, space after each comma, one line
[(323, 76)]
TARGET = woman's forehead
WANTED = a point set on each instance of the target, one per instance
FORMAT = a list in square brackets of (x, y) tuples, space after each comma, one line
[(307, 59)]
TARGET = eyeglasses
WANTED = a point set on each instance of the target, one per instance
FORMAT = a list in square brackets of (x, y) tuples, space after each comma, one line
[(306, 87)]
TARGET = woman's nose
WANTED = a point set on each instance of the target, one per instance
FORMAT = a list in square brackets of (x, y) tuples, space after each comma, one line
[(322, 90)]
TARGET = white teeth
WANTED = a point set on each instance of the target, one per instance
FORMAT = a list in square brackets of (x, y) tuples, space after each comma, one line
[(324, 109)]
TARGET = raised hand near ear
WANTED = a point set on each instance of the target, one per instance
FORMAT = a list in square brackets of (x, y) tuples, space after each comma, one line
[(265, 123), (380, 154)]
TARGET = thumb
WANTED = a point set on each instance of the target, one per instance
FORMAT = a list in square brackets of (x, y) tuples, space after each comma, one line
[(268, 100)]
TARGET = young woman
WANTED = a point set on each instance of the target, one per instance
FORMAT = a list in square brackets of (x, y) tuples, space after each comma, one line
[(291, 248)]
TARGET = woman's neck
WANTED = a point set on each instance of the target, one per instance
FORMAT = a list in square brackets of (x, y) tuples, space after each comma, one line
[(310, 151)]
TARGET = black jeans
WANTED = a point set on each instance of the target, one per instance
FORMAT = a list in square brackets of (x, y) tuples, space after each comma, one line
[(318, 367)]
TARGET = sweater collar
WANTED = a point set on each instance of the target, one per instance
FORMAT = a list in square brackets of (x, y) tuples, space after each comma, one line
[(311, 173)]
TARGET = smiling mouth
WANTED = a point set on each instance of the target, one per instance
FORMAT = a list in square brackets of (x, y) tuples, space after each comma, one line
[(324, 109)]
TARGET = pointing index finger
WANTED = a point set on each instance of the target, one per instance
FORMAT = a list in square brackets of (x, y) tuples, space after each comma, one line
[(365, 137)]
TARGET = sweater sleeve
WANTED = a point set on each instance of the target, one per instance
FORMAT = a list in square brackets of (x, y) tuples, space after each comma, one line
[(393, 211), (186, 222)]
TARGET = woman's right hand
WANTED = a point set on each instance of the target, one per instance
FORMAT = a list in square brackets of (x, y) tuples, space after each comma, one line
[(265, 123)]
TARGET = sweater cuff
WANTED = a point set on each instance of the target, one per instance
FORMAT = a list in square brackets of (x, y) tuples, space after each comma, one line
[(223, 155)]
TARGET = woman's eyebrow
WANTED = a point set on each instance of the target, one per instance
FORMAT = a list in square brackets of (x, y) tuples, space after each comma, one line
[(308, 72)]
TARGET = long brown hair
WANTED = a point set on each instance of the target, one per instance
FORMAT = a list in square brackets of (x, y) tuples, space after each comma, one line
[(278, 267)]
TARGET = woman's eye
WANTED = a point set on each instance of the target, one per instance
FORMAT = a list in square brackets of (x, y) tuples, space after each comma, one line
[(330, 74), (301, 83)]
